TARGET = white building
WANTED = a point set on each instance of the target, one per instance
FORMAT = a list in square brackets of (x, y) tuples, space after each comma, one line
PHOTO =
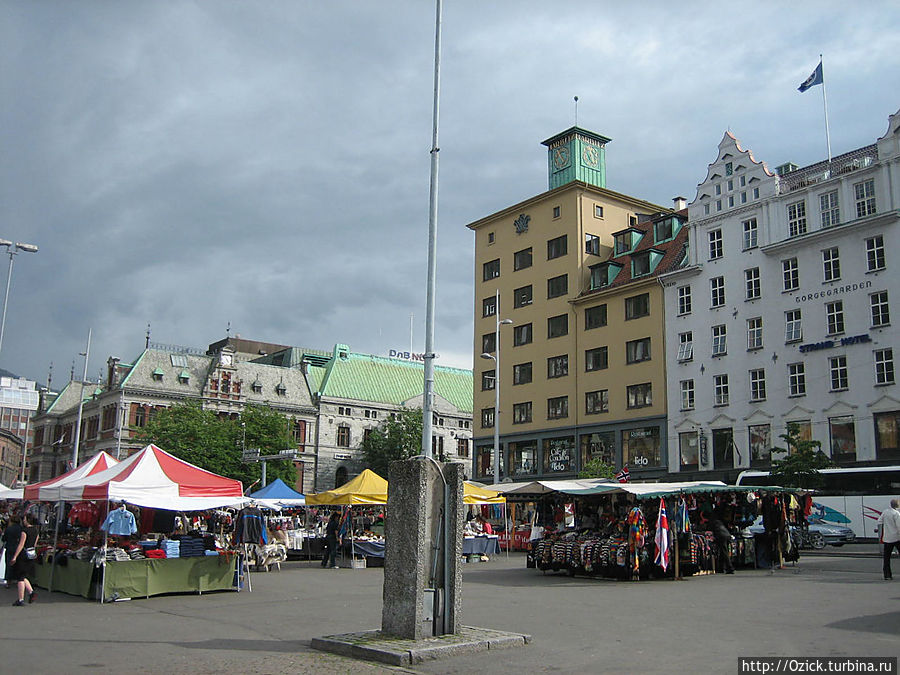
[(783, 311)]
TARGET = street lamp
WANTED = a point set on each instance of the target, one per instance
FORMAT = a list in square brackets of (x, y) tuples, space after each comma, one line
[(12, 250), (495, 357)]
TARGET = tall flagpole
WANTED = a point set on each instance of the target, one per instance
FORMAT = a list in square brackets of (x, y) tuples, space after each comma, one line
[(825, 104)]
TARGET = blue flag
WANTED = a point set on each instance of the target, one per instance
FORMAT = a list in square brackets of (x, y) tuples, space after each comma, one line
[(812, 80)]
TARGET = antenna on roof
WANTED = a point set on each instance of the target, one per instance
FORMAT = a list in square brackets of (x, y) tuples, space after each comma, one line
[(72, 372), (147, 337), (228, 330), (576, 111), (50, 377)]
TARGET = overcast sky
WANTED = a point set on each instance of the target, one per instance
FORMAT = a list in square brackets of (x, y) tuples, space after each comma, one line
[(190, 164)]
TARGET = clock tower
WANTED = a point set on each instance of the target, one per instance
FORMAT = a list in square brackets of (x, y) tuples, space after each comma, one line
[(577, 154)]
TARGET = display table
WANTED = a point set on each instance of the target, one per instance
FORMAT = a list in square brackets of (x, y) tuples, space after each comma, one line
[(373, 549), (484, 544), (143, 578)]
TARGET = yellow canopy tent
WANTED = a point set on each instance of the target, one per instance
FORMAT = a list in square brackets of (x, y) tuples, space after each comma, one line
[(472, 494), (367, 488)]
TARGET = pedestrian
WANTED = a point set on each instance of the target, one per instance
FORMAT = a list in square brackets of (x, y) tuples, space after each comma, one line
[(723, 541), (889, 522), (332, 541), (21, 562)]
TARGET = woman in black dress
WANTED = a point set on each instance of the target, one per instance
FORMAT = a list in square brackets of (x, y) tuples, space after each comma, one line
[(21, 566)]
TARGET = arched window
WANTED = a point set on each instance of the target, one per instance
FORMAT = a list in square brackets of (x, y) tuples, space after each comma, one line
[(340, 476)]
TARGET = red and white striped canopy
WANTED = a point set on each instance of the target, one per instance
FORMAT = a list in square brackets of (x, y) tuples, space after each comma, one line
[(48, 490), (153, 477)]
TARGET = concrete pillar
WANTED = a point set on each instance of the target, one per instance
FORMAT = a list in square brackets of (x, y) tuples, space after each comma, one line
[(414, 541)]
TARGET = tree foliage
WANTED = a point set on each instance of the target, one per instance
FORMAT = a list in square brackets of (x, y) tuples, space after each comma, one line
[(597, 468), (395, 438), (213, 443), (800, 468)]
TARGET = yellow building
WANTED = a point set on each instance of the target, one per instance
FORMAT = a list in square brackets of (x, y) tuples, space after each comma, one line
[(582, 371)]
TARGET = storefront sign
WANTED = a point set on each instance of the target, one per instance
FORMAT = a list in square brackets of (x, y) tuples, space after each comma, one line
[(409, 356), (828, 344), (836, 290), (342, 455)]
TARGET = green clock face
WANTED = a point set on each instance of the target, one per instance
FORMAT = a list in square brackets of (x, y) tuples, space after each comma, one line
[(561, 157), (589, 156)]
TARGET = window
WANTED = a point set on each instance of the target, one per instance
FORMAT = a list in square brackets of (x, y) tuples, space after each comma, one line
[(637, 306), (756, 193), (834, 312), (687, 394), (718, 188), (760, 444), (797, 379), (640, 264), (462, 447), (598, 211), (596, 359), (719, 335), (343, 436), (522, 259), (664, 230), (843, 438), (490, 237), (751, 232), (831, 212), (557, 286), (743, 195), (592, 244), (596, 402), (752, 283), (523, 457), (556, 212), (684, 299), (730, 184), (557, 407), (622, 242), (557, 326), (522, 335), (522, 296), (796, 219), (557, 247), (488, 380), (881, 315), (758, 384), (595, 317), (557, 366), (140, 416), (689, 449), (865, 198), (640, 395), (884, 366), (730, 200), (637, 350), (489, 306), (755, 333), (641, 447), (729, 169), (875, 254), (488, 343), (686, 346), (487, 418), (790, 271), (492, 269), (720, 385), (522, 373), (715, 244), (887, 435), (792, 331), (717, 291), (522, 413), (837, 365), (831, 262)]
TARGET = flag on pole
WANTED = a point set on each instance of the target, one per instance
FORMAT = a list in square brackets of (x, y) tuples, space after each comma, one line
[(662, 536), (812, 80), (623, 475)]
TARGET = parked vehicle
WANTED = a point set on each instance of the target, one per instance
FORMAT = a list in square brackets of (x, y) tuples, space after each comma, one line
[(817, 535)]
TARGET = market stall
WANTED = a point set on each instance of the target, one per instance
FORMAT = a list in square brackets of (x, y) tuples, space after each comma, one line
[(482, 544), (151, 479)]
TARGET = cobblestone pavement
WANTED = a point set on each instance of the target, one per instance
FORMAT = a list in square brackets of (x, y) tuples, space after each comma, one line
[(827, 606)]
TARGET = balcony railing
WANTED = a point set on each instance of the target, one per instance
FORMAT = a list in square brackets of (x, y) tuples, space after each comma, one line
[(822, 171)]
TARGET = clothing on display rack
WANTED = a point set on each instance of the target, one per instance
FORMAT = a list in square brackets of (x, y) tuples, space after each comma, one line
[(120, 522)]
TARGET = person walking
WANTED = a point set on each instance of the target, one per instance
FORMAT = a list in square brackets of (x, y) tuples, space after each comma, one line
[(22, 559), (889, 522), (723, 542), (332, 541)]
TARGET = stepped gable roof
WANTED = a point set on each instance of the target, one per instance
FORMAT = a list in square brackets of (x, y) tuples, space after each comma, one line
[(379, 379)]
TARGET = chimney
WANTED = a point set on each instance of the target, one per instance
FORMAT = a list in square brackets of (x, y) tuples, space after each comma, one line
[(680, 203), (111, 372)]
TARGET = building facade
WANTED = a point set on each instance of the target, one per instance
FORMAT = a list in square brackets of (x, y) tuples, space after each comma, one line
[(568, 279), (19, 398), (782, 313)]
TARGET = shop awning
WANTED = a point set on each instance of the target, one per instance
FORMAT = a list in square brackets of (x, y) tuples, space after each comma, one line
[(278, 494), (473, 494), (366, 488), (48, 490), (542, 487)]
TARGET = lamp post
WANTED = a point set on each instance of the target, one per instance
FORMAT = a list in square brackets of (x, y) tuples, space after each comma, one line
[(12, 250), (495, 357)]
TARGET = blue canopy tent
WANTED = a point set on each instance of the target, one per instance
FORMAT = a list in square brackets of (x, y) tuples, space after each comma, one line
[(278, 494)]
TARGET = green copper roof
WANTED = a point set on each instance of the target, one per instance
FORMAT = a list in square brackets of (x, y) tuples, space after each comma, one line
[(366, 377)]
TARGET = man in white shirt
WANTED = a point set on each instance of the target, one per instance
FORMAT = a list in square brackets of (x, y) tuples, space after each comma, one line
[(889, 523)]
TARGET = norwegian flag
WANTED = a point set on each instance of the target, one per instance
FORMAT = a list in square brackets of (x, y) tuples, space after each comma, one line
[(662, 536), (623, 475)]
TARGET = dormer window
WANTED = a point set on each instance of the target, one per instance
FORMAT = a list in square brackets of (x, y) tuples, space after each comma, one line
[(602, 275), (257, 387), (158, 375), (280, 389), (665, 229), (645, 262), (626, 240), (184, 377)]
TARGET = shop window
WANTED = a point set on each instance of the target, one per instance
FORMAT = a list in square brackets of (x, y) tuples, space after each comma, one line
[(689, 450), (559, 454), (641, 448), (760, 444), (842, 431), (600, 446), (887, 435), (723, 448), (484, 461)]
